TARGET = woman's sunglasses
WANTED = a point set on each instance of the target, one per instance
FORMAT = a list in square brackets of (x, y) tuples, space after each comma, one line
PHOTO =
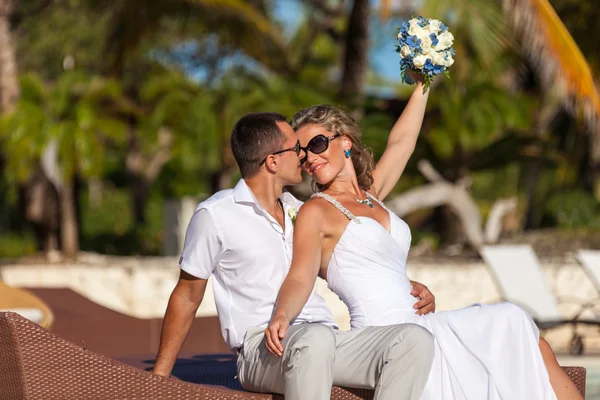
[(316, 145)]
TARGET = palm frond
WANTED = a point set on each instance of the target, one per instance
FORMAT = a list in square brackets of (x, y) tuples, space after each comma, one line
[(237, 22), (557, 58)]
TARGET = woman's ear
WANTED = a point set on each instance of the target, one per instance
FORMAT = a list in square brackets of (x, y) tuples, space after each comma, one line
[(347, 143)]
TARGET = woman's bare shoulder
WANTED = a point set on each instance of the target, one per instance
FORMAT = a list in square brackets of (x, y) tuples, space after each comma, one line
[(315, 207)]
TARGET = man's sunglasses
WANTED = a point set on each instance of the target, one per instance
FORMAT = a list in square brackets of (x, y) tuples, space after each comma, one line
[(297, 149), (316, 145)]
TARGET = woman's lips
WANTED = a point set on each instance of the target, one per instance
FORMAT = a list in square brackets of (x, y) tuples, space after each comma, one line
[(315, 168)]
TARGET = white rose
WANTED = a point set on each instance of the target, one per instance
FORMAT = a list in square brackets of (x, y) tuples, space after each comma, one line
[(426, 44), (445, 41), (419, 61), (434, 25), (437, 58), (449, 61), (416, 30), (427, 30), (405, 51)]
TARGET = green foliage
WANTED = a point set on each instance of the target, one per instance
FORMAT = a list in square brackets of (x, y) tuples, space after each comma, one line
[(14, 245), (73, 114), (61, 29), (474, 115), (574, 209), (108, 227)]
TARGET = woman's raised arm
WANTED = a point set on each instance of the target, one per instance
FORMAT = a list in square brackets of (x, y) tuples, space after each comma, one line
[(400, 145)]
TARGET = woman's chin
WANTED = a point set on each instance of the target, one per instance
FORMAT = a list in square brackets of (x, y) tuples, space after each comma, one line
[(321, 180)]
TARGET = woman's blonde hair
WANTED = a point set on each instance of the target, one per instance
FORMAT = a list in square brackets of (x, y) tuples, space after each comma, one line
[(338, 122)]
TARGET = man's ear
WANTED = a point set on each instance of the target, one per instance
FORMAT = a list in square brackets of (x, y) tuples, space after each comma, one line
[(272, 163)]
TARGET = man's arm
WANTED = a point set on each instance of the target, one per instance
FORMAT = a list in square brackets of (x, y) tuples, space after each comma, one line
[(183, 303), (426, 303)]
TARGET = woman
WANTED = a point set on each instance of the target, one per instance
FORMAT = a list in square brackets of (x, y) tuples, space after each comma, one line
[(347, 235)]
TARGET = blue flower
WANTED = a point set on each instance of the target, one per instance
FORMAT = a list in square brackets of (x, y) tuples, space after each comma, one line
[(404, 28), (434, 39), (443, 28), (413, 42), (422, 22)]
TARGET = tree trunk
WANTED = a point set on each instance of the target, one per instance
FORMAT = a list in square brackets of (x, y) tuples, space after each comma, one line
[(550, 107), (9, 82), (140, 192), (68, 227), (356, 53), (595, 162), (144, 169), (39, 204), (532, 176)]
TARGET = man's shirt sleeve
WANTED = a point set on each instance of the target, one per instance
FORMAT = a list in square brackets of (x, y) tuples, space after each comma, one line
[(203, 247)]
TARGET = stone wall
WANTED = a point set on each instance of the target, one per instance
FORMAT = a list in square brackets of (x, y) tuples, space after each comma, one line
[(141, 287)]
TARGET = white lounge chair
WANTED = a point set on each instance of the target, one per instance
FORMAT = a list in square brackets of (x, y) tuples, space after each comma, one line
[(521, 281), (590, 259)]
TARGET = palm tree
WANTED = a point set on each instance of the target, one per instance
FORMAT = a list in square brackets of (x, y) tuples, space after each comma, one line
[(356, 52), (9, 83), (67, 126), (564, 72), (240, 24)]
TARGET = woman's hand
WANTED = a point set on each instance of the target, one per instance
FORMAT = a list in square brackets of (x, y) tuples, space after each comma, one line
[(275, 333), (415, 76)]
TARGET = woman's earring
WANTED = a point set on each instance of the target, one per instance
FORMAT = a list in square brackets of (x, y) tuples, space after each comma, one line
[(347, 153)]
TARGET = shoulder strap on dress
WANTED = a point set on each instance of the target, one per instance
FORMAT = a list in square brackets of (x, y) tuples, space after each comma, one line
[(369, 195), (336, 204)]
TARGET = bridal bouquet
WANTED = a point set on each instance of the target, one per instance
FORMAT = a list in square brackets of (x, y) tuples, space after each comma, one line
[(425, 46)]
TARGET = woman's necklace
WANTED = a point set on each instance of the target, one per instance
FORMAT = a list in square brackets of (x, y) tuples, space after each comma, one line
[(366, 202)]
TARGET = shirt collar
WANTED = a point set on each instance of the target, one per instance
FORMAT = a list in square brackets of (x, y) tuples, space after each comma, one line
[(243, 194)]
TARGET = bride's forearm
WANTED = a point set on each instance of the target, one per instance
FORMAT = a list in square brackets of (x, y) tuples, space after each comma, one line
[(293, 295), (407, 127), (401, 144)]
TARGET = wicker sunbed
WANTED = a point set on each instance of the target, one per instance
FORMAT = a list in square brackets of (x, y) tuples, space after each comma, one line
[(37, 364)]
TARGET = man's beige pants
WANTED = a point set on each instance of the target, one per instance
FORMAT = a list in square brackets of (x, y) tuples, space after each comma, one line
[(393, 360)]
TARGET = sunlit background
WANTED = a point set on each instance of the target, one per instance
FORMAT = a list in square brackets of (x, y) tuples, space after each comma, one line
[(115, 120)]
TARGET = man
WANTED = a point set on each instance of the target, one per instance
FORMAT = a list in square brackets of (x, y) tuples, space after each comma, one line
[(243, 238)]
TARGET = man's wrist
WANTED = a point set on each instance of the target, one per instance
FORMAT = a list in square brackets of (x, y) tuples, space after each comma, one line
[(161, 371)]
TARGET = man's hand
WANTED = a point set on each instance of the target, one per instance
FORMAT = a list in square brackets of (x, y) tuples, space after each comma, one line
[(274, 333), (426, 303)]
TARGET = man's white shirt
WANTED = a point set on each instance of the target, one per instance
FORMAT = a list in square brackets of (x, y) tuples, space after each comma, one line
[(231, 237)]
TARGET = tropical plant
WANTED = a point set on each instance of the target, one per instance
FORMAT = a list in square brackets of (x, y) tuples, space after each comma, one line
[(240, 24), (9, 84), (67, 125)]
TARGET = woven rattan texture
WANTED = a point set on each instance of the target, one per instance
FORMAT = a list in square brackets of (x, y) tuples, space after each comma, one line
[(577, 375), (11, 384), (53, 368), (36, 364)]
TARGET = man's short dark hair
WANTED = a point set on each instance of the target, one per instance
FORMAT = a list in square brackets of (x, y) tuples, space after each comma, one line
[(254, 137)]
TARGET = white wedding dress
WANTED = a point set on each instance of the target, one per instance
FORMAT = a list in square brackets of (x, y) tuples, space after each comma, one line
[(481, 351)]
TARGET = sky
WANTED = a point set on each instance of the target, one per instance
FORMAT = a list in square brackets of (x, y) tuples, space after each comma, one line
[(382, 56)]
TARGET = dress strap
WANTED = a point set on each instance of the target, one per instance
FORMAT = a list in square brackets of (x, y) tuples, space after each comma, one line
[(369, 195), (337, 205)]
